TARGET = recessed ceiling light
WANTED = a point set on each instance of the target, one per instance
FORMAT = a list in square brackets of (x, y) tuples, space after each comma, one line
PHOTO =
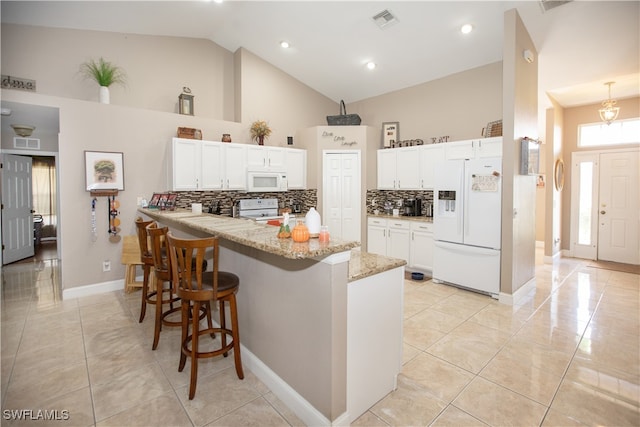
[(284, 44), (371, 65), (466, 28)]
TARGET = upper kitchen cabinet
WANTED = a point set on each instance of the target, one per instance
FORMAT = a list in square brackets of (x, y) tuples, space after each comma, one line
[(207, 165), (474, 148), (430, 156), (296, 160), (260, 158), (398, 169)]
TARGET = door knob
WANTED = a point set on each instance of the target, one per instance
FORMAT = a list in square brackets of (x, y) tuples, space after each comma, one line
[(603, 212)]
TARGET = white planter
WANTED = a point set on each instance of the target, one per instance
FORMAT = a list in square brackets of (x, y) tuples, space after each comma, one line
[(104, 95)]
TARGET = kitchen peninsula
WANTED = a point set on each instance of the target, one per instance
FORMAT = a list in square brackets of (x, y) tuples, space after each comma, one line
[(320, 323)]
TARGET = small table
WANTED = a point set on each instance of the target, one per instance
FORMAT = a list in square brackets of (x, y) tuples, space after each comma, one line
[(131, 258)]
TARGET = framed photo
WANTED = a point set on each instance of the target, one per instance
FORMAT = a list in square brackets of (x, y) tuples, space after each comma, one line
[(390, 134), (155, 201), (171, 201), (541, 181), (104, 170)]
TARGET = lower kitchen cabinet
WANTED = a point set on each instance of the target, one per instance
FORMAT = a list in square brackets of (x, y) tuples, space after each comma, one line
[(421, 246), (411, 241)]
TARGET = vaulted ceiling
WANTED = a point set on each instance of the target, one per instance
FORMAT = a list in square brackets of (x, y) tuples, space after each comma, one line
[(581, 44)]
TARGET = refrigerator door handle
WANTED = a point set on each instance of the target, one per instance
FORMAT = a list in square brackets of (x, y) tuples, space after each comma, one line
[(461, 216)]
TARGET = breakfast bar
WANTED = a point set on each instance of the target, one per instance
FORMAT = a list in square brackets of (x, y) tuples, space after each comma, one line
[(320, 322)]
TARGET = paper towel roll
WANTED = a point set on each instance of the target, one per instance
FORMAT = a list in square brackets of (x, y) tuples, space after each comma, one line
[(196, 208)]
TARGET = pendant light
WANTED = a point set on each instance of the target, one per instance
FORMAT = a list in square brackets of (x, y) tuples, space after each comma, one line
[(609, 112)]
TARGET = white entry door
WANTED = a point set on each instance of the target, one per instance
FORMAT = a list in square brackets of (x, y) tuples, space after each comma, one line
[(604, 206), (618, 208), (17, 213), (341, 194)]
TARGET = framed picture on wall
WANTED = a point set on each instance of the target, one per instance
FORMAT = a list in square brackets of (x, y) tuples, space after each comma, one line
[(390, 134), (104, 170)]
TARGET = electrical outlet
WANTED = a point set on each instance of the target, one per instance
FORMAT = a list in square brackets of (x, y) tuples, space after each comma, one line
[(106, 265), (373, 202)]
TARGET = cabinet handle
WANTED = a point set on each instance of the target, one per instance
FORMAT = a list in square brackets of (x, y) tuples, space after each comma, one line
[(413, 236)]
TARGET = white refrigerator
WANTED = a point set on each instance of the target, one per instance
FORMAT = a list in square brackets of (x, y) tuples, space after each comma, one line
[(467, 223)]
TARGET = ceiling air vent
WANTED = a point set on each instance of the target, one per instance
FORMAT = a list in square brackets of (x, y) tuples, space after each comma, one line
[(550, 4), (26, 143), (384, 19)]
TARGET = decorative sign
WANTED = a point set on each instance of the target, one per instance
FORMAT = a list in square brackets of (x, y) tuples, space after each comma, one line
[(11, 82), (340, 139)]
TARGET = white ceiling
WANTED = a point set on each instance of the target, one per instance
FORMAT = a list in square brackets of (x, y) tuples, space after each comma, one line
[(581, 44)]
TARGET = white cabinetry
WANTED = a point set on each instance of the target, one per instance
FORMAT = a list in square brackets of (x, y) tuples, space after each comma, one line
[(260, 157), (474, 148), (421, 246), (430, 156), (388, 237), (398, 169), (207, 165), (296, 160)]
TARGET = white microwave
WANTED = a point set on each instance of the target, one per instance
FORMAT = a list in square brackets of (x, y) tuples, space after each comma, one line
[(267, 181)]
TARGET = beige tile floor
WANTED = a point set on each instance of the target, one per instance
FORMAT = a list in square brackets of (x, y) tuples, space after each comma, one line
[(569, 354)]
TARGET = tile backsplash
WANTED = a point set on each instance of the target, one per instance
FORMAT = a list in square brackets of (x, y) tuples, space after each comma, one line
[(381, 196), (226, 199)]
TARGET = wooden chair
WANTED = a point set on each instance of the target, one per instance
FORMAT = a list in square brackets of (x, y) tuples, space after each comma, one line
[(148, 297), (196, 288), (165, 291)]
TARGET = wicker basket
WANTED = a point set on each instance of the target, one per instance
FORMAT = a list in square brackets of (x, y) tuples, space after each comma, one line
[(493, 129), (189, 133)]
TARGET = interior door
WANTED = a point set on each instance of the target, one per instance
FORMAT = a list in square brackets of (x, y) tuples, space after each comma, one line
[(17, 213), (618, 208), (341, 194)]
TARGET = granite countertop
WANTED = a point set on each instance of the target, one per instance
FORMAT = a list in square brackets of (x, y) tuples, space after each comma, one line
[(403, 218), (250, 233), (365, 264)]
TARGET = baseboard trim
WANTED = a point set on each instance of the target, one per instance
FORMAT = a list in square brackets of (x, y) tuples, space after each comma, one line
[(512, 299), (299, 405), (95, 289)]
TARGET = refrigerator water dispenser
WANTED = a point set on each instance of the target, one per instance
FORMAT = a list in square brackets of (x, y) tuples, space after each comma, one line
[(446, 203)]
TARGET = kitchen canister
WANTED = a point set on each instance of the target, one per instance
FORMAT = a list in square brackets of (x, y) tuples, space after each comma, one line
[(312, 221)]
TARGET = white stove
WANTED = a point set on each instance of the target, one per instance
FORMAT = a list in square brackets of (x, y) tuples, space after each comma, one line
[(259, 210)]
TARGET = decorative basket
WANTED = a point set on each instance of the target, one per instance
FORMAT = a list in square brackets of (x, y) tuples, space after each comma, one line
[(344, 119), (189, 133), (493, 129)]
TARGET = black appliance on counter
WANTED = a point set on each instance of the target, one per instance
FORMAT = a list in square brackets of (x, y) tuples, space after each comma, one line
[(412, 207)]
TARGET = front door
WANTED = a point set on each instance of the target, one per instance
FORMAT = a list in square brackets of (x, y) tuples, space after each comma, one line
[(17, 213), (618, 208)]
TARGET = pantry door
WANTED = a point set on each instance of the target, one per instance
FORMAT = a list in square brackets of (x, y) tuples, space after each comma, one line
[(341, 194), (618, 208)]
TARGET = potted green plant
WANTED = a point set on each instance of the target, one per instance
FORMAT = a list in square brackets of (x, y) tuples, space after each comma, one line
[(259, 131), (105, 74)]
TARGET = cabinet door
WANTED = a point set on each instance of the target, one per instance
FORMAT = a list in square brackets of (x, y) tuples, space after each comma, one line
[(398, 240), (386, 169), (211, 166), (407, 168), (185, 164), (235, 168), (277, 158), (264, 158), (297, 168), (421, 247), (489, 147), (430, 156), (377, 239), (460, 150)]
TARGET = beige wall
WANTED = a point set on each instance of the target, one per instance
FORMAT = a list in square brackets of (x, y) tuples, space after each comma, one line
[(552, 204), (268, 93), (520, 106), (459, 105), (573, 117), (157, 67)]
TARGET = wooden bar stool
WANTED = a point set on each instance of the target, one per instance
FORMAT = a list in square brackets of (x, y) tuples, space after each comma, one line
[(147, 264), (196, 288), (165, 290)]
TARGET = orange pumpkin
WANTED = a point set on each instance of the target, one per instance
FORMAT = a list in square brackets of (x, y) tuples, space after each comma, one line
[(300, 232)]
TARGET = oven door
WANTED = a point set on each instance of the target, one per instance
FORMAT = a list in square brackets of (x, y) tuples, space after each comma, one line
[(267, 181)]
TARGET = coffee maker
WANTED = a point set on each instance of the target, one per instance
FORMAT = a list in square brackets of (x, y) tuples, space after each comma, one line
[(412, 207)]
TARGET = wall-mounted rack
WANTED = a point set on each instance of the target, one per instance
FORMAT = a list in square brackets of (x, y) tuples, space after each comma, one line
[(103, 193)]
